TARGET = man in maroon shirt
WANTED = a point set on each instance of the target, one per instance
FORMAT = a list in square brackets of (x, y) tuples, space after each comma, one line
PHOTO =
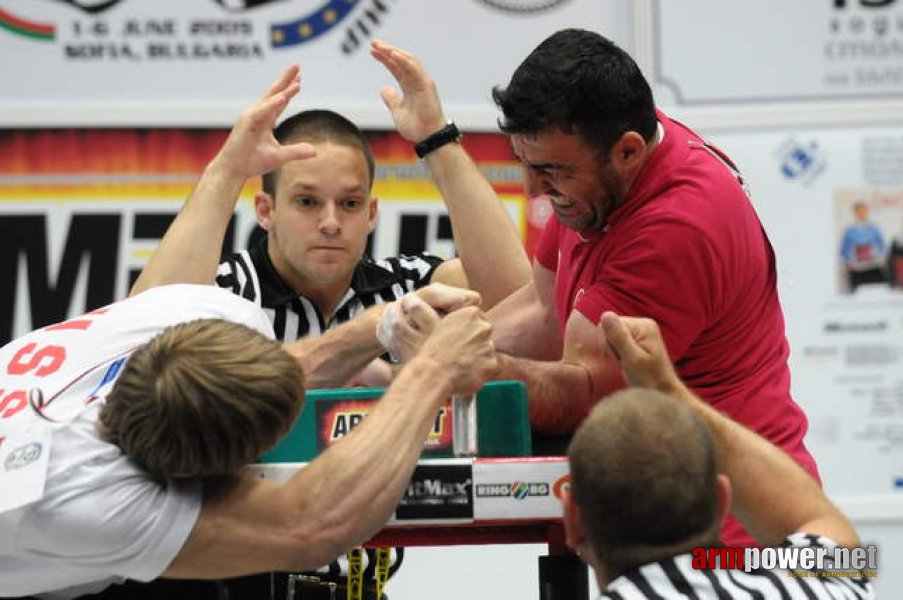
[(649, 220)]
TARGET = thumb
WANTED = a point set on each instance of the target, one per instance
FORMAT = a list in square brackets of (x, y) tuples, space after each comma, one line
[(418, 313), (298, 151), (391, 98), (619, 338)]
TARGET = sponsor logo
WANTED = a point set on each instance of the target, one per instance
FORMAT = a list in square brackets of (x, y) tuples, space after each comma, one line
[(801, 161), (176, 36), (807, 561), (437, 489), (438, 492), (339, 418), (23, 456), (563, 483), (518, 490)]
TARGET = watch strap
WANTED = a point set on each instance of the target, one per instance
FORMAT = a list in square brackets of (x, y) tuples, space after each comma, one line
[(446, 135)]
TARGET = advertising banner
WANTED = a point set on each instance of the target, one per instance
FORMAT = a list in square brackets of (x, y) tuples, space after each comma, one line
[(81, 211), (831, 201), (198, 62), (771, 50)]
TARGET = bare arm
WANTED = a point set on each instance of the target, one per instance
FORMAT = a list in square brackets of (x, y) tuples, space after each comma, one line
[(451, 272), (331, 360), (480, 224), (348, 492), (564, 377), (334, 358), (561, 393), (773, 496), (525, 323), (190, 250)]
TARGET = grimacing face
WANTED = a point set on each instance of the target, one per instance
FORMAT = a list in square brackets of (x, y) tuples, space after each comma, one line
[(320, 218), (583, 187)]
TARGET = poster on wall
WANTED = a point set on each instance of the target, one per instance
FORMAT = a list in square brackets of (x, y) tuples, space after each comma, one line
[(775, 51), (831, 201), (81, 211), (172, 62)]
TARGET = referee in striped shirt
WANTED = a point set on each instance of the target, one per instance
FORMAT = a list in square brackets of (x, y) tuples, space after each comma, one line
[(309, 272), (653, 475)]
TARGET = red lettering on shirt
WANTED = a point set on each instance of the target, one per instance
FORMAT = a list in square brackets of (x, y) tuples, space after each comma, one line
[(26, 359), (12, 403)]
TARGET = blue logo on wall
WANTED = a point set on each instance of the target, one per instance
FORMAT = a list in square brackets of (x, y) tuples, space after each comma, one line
[(801, 161)]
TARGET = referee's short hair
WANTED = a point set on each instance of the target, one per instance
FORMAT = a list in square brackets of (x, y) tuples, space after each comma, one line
[(319, 125), (644, 475), (202, 398)]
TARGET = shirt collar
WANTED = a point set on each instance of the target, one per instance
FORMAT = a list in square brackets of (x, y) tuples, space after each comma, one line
[(368, 277)]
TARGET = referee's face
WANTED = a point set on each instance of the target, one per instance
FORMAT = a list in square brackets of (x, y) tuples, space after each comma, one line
[(320, 219)]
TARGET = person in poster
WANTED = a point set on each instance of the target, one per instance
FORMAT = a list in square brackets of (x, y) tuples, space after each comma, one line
[(862, 249)]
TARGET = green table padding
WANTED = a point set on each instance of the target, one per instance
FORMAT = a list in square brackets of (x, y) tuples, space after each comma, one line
[(503, 422)]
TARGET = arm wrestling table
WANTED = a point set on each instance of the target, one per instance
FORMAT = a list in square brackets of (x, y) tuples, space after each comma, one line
[(502, 496), (470, 501)]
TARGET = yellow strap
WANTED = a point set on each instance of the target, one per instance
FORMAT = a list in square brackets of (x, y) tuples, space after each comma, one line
[(356, 574), (383, 561)]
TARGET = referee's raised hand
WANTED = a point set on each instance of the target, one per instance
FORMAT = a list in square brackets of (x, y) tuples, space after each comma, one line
[(251, 148)]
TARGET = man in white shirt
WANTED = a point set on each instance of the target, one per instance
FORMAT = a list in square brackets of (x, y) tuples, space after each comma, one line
[(124, 431)]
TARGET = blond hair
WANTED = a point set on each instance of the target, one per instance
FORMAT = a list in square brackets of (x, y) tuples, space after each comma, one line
[(202, 398)]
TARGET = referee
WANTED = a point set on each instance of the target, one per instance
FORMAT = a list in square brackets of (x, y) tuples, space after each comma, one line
[(653, 476), (309, 271)]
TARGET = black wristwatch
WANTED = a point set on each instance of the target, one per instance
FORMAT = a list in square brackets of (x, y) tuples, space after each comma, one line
[(446, 135)]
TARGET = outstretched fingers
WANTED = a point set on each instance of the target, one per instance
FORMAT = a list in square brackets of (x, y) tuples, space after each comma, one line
[(292, 75), (403, 66)]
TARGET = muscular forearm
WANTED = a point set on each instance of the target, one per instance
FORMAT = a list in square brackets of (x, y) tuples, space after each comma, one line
[(339, 500), (333, 358), (773, 496), (190, 250), (560, 393), (479, 222), (351, 489)]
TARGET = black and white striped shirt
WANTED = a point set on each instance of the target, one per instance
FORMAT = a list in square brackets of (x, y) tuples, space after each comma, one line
[(675, 578), (251, 274)]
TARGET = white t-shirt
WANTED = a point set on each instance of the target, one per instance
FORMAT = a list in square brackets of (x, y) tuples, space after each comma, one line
[(101, 518)]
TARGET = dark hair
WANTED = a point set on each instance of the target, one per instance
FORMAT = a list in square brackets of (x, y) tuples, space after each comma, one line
[(643, 473), (319, 126), (202, 398), (579, 82)]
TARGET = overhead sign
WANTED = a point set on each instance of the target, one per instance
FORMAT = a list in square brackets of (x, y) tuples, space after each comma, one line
[(81, 211), (170, 62), (771, 50)]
